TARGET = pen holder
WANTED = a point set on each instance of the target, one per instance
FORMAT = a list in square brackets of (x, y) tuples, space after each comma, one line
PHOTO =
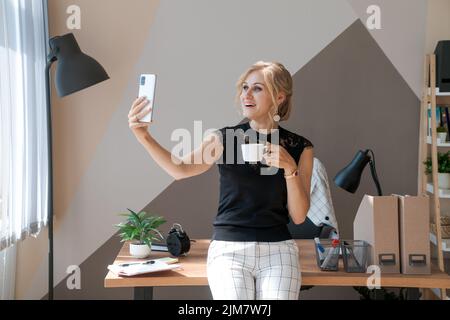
[(355, 254), (327, 255)]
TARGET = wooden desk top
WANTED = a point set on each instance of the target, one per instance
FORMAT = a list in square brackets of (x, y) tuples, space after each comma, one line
[(193, 272)]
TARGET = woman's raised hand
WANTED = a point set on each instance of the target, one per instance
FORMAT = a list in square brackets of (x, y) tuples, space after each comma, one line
[(137, 111)]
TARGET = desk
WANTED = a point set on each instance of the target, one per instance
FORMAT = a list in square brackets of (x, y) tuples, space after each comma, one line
[(193, 273)]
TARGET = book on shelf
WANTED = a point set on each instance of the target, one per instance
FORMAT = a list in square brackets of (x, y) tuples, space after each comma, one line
[(442, 119), (447, 118)]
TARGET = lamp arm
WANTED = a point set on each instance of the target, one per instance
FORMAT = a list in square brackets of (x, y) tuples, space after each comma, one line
[(374, 173)]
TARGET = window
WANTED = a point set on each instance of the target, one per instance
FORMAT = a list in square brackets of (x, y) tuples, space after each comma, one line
[(23, 136), (23, 119)]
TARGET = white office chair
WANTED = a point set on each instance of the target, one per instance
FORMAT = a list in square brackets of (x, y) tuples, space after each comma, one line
[(321, 211), (321, 219)]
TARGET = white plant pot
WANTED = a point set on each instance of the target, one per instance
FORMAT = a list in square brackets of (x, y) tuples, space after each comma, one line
[(442, 137), (140, 250), (444, 180)]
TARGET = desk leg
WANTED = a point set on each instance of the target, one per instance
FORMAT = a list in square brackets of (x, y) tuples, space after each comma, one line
[(413, 293), (143, 293)]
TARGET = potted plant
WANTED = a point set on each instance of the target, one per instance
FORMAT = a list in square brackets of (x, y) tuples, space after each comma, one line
[(443, 169), (142, 229), (442, 134)]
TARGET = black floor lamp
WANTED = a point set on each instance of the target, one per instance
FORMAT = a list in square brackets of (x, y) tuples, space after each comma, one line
[(75, 71)]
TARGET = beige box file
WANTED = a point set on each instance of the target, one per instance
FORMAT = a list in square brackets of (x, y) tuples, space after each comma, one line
[(377, 223), (414, 212)]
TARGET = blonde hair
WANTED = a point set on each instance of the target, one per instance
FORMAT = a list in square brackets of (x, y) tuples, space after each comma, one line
[(277, 79)]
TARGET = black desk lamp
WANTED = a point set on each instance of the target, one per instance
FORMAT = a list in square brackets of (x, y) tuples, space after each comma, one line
[(349, 177), (75, 71)]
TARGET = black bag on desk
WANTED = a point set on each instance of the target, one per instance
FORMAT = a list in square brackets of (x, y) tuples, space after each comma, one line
[(178, 242)]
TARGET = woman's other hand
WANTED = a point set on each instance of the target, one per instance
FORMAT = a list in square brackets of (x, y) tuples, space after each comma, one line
[(137, 111), (277, 156)]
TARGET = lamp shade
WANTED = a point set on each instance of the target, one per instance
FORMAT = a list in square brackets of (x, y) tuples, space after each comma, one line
[(349, 177), (75, 70)]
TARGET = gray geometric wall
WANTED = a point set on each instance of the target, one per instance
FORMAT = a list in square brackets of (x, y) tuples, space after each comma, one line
[(349, 94)]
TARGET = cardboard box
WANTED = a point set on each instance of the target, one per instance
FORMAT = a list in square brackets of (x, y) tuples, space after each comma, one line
[(414, 213), (377, 223)]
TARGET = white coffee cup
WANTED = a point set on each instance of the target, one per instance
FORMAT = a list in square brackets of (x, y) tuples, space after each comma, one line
[(252, 152)]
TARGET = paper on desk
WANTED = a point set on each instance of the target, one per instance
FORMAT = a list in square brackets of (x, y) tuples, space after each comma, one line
[(136, 269)]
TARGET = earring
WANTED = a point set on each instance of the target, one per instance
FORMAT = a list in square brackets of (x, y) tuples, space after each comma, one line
[(276, 117)]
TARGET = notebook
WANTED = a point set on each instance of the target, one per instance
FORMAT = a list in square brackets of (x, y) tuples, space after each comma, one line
[(136, 268), (159, 247)]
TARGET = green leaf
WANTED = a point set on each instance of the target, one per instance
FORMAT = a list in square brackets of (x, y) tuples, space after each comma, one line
[(443, 160), (140, 226), (148, 242)]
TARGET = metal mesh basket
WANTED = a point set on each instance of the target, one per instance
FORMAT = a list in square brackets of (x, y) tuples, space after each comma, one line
[(355, 254), (327, 255)]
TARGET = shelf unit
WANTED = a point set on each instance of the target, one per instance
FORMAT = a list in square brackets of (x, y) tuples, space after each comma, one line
[(445, 242), (439, 144), (430, 99), (443, 193), (437, 293)]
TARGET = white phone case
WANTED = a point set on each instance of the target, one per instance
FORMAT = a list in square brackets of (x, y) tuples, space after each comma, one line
[(147, 86)]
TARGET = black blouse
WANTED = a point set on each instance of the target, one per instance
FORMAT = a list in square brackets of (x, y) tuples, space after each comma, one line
[(253, 196)]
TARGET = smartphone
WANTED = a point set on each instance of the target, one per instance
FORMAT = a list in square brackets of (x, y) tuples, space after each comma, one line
[(147, 86)]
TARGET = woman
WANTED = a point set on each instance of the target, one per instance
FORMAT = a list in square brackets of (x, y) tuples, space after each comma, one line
[(252, 254)]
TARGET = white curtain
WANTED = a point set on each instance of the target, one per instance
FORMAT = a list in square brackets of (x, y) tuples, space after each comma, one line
[(23, 124), (7, 272)]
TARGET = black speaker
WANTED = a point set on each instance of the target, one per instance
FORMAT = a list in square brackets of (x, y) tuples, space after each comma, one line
[(442, 53)]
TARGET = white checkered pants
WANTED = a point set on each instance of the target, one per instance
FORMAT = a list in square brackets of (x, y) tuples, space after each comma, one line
[(245, 270)]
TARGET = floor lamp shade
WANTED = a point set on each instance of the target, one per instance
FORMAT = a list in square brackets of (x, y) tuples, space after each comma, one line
[(349, 177), (75, 70)]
